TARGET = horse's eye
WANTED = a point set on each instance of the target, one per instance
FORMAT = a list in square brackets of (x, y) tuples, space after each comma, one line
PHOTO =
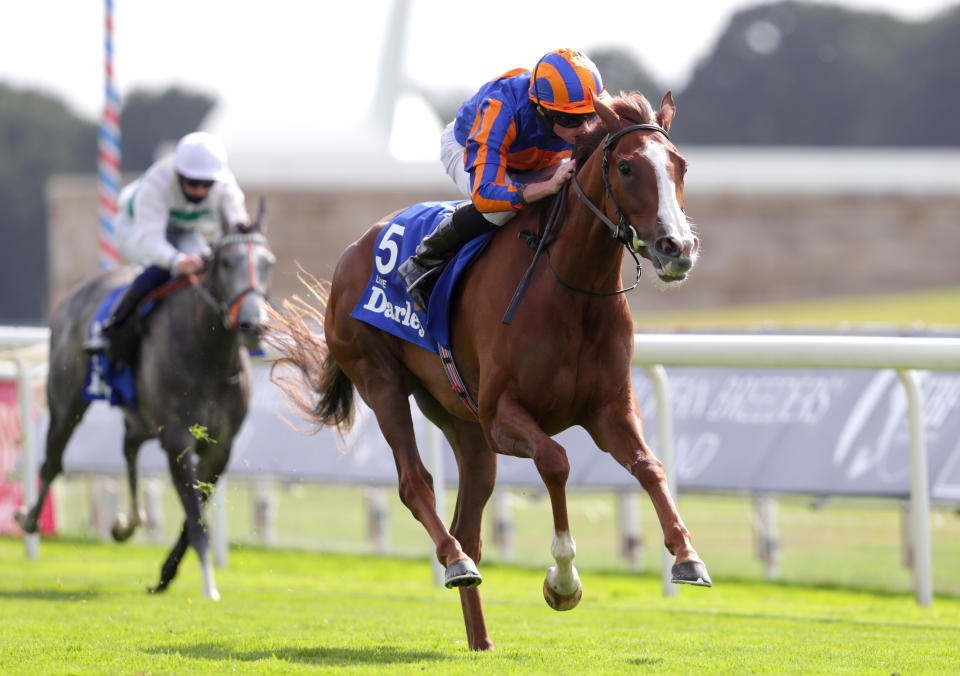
[(623, 168)]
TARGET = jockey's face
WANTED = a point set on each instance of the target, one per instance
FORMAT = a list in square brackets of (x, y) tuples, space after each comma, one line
[(572, 125), (566, 133), (195, 191)]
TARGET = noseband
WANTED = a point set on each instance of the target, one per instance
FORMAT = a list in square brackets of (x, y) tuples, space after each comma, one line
[(624, 232), (229, 311)]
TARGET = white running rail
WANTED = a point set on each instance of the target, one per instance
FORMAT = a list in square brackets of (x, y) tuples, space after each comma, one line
[(903, 354)]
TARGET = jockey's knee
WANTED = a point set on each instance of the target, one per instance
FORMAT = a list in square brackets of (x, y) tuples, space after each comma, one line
[(151, 278)]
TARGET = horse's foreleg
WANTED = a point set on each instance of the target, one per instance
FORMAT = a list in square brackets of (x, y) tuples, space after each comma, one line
[(172, 563), (124, 525), (616, 428), (477, 466), (208, 471), (178, 448), (515, 432)]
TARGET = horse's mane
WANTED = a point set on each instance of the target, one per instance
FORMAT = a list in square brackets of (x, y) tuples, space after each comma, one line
[(631, 107)]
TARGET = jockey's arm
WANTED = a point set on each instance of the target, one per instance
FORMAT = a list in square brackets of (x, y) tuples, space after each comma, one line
[(145, 242), (533, 192)]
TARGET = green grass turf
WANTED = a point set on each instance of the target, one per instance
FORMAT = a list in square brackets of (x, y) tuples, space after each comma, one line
[(851, 543), (931, 308), (81, 608)]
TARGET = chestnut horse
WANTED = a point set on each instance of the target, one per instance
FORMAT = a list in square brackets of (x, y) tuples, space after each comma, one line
[(563, 361)]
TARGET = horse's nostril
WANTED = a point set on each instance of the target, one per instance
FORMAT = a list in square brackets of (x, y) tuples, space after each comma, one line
[(668, 246)]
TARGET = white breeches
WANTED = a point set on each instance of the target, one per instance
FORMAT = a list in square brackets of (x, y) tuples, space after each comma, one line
[(451, 154)]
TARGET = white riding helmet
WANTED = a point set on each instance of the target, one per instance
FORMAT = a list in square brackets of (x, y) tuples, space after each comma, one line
[(201, 156)]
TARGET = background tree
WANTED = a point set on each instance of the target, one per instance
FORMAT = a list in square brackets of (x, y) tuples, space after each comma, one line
[(150, 119), (808, 74), (39, 137), (622, 72)]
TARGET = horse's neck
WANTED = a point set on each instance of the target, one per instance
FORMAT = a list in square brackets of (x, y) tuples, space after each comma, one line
[(199, 331), (585, 254)]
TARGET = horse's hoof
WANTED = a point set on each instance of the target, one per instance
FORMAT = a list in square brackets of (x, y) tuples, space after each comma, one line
[(462, 573), (22, 517), (691, 572), (121, 531), (562, 601), (159, 588)]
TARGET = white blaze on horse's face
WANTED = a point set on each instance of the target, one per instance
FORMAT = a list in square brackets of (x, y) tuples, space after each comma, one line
[(676, 248)]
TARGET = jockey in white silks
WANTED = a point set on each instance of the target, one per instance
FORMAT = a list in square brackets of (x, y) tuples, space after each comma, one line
[(165, 221)]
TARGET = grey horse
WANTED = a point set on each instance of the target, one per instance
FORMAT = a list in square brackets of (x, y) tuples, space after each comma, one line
[(192, 381)]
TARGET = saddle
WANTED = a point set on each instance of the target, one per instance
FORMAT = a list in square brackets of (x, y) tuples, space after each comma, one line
[(111, 378)]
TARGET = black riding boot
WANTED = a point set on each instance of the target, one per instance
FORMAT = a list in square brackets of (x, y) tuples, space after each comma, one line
[(421, 271), (116, 337)]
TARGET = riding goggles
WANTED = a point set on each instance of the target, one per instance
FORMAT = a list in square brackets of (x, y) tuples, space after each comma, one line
[(570, 120)]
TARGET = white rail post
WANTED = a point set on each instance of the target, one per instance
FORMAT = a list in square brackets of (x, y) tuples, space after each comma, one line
[(104, 504), (503, 526), (631, 536), (28, 456), (217, 504), (919, 491), (766, 539), (378, 519), (264, 510), (153, 489), (661, 387)]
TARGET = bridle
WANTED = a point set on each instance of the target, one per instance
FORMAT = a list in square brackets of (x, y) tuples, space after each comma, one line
[(624, 232), (229, 311)]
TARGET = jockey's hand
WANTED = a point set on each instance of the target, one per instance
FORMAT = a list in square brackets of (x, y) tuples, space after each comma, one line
[(188, 264), (551, 186)]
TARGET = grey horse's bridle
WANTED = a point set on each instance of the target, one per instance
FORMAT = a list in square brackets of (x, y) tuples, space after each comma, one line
[(228, 311)]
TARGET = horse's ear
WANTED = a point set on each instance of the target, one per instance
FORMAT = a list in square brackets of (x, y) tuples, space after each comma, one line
[(609, 118), (667, 110), (260, 224)]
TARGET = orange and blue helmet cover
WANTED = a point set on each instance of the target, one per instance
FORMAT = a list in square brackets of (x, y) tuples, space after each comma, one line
[(563, 80)]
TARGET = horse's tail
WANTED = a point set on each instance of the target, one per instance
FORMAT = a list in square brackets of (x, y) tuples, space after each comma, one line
[(306, 372)]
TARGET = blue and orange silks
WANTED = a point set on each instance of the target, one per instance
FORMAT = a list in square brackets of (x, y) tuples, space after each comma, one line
[(501, 132)]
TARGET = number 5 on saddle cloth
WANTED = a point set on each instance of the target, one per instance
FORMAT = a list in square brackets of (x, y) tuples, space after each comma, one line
[(385, 303)]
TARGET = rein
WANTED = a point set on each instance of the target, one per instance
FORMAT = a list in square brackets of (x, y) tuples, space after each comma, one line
[(228, 311), (623, 233)]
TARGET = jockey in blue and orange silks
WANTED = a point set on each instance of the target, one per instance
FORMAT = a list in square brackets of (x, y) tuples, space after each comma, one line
[(518, 122)]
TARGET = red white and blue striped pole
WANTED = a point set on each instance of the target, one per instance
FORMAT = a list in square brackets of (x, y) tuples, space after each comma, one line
[(108, 146)]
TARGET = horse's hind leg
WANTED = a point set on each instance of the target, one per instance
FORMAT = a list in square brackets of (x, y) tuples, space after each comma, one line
[(616, 428), (514, 431), (388, 400), (64, 417), (124, 525), (477, 467)]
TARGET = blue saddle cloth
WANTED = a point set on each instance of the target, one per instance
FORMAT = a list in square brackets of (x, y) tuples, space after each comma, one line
[(385, 303), (106, 379)]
